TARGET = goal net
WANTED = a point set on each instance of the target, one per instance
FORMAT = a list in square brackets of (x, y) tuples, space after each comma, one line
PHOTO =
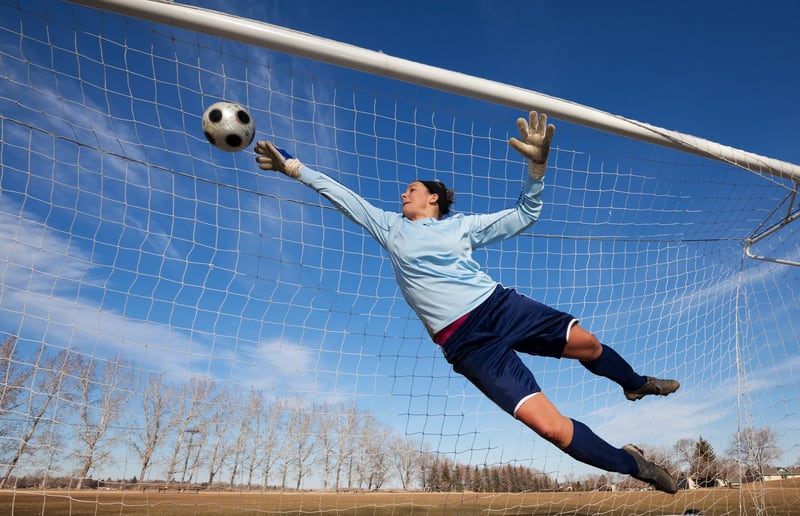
[(180, 329)]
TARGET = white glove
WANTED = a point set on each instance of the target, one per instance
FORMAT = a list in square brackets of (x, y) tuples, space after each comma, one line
[(271, 159), (535, 144)]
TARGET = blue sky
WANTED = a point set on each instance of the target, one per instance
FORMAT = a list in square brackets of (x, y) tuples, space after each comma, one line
[(718, 70), (149, 243)]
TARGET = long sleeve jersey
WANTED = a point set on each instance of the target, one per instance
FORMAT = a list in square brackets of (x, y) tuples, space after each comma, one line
[(432, 258)]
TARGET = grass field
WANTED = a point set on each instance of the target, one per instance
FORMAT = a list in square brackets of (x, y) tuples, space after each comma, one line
[(774, 501)]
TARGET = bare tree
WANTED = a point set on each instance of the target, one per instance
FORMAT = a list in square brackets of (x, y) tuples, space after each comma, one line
[(255, 416), (755, 449), (347, 431), (191, 458), (302, 438), (729, 468), (372, 464), (104, 392), (218, 427), (47, 379), (684, 449), (211, 438), (13, 375), (273, 439), (155, 411), (239, 437), (186, 417), (378, 463), (326, 423), (284, 453), (405, 456), (241, 419), (220, 448), (425, 469)]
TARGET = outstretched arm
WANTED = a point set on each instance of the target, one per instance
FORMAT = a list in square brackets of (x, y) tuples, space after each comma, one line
[(375, 220), (535, 146)]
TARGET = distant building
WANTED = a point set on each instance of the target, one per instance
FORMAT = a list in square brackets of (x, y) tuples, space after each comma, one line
[(780, 473)]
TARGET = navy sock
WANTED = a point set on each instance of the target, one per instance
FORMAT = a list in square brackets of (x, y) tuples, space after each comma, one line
[(588, 448), (616, 368)]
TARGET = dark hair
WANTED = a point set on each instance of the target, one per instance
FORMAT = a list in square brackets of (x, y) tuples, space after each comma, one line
[(446, 197)]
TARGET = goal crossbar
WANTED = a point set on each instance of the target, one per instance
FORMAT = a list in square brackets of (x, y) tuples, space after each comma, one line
[(349, 56)]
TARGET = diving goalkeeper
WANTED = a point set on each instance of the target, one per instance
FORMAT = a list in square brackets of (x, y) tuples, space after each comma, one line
[(480, 325)]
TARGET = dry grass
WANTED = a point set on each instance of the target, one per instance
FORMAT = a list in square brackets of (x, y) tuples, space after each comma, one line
[(780, 500)]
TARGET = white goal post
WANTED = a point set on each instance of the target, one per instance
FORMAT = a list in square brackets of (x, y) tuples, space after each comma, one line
[(321, 49)]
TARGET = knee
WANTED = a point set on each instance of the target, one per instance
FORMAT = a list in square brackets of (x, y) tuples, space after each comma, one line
[(593, 347), (541, 416), (582, 345), (557, 431)]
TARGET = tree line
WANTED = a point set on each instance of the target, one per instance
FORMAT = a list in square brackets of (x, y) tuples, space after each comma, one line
[(64, 414), (69, 413)]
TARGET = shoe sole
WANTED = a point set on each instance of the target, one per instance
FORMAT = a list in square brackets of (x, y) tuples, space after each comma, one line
[(638, 455), (634, 396)]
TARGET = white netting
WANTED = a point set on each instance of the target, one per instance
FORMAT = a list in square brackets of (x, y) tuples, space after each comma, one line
[(141, 266)]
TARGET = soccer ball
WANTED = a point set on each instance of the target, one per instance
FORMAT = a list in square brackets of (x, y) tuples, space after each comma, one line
[(228, 126)]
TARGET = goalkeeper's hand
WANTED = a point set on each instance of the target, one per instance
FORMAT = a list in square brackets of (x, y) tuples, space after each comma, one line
[(535, 142), (271, 158)]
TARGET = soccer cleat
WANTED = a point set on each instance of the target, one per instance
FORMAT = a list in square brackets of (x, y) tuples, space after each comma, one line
[(653, 474), (653, 386)]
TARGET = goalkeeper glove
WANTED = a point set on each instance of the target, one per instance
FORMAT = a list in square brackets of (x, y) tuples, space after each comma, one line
[(272, 158), (535, 143)]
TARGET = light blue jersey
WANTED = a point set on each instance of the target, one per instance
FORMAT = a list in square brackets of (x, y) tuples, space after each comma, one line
[(432, 258)]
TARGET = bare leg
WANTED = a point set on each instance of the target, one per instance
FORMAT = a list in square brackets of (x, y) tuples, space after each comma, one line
[(576, 439), (580, 443), (582, 345), (540, 415), (573, 437)]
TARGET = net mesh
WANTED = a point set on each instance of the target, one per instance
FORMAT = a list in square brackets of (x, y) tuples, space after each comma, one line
[(175, 318)]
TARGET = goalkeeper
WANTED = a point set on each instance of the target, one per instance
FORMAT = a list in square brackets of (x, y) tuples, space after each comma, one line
[(480, 324)]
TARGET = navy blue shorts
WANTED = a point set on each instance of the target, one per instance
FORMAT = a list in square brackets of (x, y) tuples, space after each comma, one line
[(484, 348)]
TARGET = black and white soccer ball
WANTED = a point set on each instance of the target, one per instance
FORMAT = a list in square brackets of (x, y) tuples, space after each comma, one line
[(228, 126)]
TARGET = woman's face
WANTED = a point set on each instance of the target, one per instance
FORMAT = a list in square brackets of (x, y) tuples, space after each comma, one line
[(418, 202)]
